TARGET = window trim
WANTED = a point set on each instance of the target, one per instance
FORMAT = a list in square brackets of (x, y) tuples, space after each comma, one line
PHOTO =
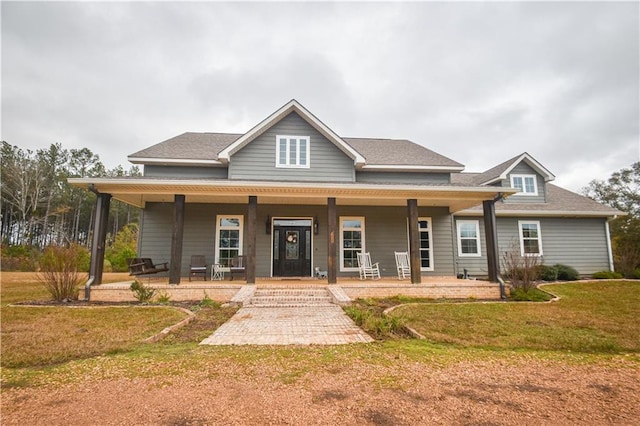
[(342, 229), (431, 267), (524, 185), (530, 222), (477, 237), (287, 164), (221, 228)]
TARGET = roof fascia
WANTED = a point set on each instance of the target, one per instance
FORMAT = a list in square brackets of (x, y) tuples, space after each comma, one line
[(408, 168), (548, 176), (291, 106), (543, 213), (173, 161)]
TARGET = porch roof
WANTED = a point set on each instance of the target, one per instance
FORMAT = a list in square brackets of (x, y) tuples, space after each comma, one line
[(139, 191)]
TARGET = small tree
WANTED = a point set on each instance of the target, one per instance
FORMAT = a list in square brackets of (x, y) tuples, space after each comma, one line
[(521, 270), (141, 292), (59, 272)]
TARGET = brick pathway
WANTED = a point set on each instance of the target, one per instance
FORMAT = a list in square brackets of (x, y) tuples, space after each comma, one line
[(313, 325)]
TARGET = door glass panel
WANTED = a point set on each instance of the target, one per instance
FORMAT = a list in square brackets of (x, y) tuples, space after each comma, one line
[(307, 245), (292, 246), (276, 244)]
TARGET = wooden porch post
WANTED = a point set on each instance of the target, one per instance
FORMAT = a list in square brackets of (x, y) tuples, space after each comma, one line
[(332, 231), (414, 241), (491, 237), (103, 201), (175, 266), (251, 239)]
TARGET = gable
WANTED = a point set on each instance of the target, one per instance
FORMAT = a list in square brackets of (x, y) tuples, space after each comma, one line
[(257, 160)]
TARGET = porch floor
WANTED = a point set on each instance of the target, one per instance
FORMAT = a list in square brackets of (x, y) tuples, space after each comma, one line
[(224, 291)]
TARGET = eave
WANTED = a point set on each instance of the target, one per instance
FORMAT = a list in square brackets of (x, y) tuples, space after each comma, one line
[(409, 168), (140, 191), (174, 161), (543, 213)]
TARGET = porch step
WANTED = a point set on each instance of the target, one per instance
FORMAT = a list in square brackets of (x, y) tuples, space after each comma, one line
[(290, 297)]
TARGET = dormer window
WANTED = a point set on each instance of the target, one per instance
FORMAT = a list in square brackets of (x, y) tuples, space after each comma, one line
[(293, 151), (527, 184)]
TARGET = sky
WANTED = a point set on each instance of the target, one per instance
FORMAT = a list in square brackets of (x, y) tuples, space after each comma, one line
[(477, 82)]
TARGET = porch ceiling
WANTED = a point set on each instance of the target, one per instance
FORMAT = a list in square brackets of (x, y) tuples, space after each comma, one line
[(138, 192)]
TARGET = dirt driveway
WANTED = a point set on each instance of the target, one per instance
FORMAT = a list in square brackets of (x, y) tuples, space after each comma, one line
[(402, 393)]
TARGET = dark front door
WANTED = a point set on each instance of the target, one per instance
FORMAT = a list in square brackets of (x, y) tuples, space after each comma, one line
[(291, 250)]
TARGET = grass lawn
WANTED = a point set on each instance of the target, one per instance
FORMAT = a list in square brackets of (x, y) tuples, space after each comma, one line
[(592, 323), (595, 317)]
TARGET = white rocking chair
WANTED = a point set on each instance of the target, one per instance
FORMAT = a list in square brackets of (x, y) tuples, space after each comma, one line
[(402, 264), (366, 268)]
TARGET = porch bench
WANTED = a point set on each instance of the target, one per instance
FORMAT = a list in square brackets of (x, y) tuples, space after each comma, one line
[(144, 266), (237, 266)]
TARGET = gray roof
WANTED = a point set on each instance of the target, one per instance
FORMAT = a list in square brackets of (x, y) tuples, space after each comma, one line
[(400, 152), (206, 146), (558, 200), (189, 145), (494, 172)]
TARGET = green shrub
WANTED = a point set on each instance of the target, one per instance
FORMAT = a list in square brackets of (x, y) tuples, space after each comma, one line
[(547, 273), (22, 258), (163, 298), (123, 247), (636, 274), (59, 271), (607, 275), (141, 292), (566, 273)]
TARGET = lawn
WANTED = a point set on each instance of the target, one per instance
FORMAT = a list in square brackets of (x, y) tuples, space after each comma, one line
[(594, 317)]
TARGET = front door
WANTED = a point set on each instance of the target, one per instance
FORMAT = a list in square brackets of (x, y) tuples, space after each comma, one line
[(291, 248)]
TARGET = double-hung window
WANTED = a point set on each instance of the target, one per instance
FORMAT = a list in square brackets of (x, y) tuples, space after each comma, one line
[(425, 242), (468, 238), (530, 238), (228, 238), (525, 183), (293, 151), (351, 242)]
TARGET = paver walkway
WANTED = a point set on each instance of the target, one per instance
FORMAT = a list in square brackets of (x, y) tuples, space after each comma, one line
[(320, 324)]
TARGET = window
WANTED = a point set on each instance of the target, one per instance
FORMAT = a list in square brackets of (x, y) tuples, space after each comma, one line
[(527, 184), (293, 151), (468, 238), (351, 242), (228, 238), (426, 253), (530, 238)]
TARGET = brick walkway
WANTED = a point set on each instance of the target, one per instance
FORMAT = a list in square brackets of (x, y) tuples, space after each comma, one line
[(313, 325)]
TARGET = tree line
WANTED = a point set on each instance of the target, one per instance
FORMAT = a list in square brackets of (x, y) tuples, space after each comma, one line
[(39, 208)]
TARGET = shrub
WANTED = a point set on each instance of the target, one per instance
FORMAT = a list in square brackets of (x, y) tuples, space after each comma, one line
[(636, 274), (547, 273), (607, 275), (164, 298), (141, 292), (59, 271), (20, 258), (124, 247), (522, 271), (566, 273)]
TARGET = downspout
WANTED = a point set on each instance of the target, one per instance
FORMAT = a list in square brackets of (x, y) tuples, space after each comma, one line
[(609, 251), (92, 278)]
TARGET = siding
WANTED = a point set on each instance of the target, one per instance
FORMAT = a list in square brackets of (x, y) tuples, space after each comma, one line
[(407, 177), (257, 160), (524, 169), (386, 232), (185, 172), (580, 243)]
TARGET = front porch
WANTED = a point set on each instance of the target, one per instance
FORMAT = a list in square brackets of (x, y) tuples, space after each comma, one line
[(227, 291)]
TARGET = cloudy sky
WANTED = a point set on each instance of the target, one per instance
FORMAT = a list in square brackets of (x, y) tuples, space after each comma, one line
[(477, 82)]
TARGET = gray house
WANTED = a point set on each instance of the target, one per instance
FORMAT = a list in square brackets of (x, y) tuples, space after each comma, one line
[(291, 195)]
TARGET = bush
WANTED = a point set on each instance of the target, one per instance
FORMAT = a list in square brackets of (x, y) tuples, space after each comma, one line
[(141, 292), (607, 275), (123, 248), (566, 273), (20, 258), (522, 271), (59, 271), (547, 273), (636, 274)]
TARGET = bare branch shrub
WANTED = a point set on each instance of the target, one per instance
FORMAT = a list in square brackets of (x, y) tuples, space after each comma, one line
[(522, 271), (59, 271)]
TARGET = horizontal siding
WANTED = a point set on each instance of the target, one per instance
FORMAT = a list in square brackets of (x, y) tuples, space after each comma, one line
[(576, 242), (386, 232), (403, 177), (186, 172), (257, 160), (524, 169)]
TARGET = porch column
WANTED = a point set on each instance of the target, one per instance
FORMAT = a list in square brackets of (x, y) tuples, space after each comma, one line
[(175, 266), (491, 237), (103, 201), (414, 241), (332, 230), (251, 239)]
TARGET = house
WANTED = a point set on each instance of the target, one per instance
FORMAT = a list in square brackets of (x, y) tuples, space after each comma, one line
[(291, 195)]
